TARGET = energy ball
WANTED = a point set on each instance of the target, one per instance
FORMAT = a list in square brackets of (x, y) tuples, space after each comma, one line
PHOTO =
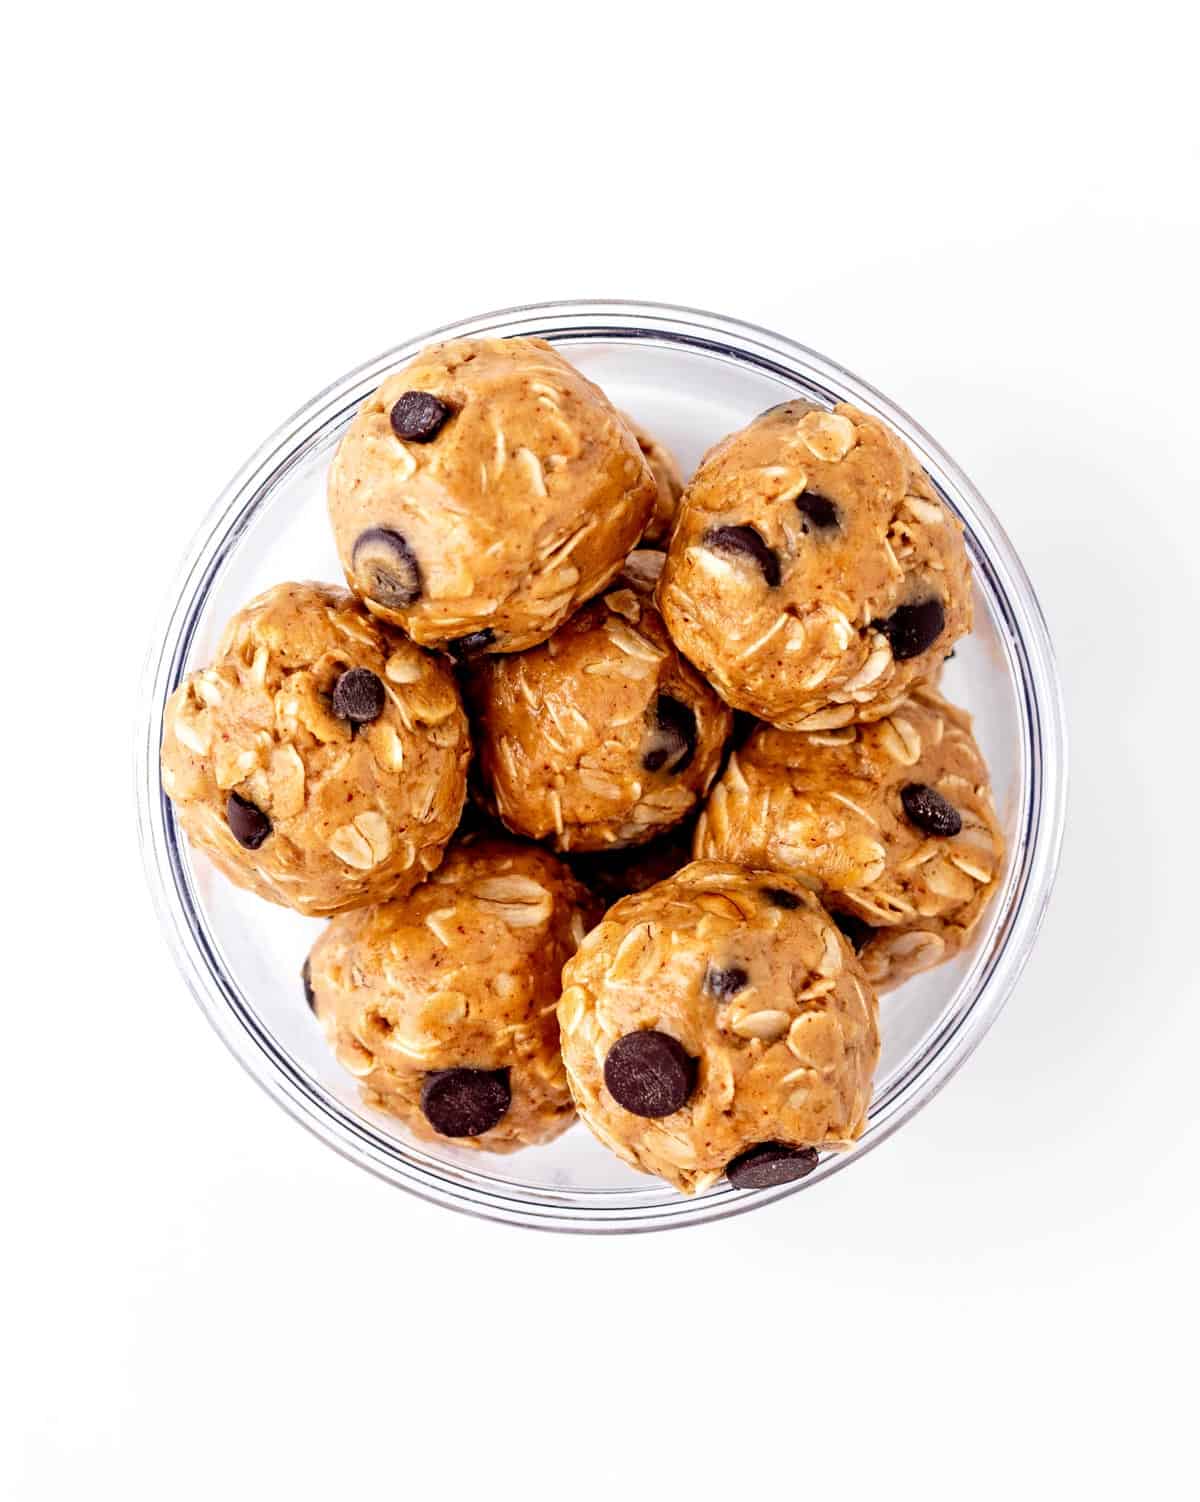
[(483, 493), (814, 575), (321, 760), (666, 474), (892, 823), (442, 1003), (603, 736), (719, 1023)]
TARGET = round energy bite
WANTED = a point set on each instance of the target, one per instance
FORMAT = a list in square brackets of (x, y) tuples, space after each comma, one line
[(891, 822), (719, 1022), (321, 760), (814, 575), (603, 736), (484, 492), (442, 1003), (665, 469)]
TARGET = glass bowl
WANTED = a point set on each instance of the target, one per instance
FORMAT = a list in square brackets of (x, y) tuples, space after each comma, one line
[(690, 377)]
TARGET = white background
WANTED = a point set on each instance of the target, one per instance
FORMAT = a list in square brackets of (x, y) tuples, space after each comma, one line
[(989, 212)]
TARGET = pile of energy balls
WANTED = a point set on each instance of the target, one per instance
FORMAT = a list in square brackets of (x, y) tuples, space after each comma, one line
[(558, 675)]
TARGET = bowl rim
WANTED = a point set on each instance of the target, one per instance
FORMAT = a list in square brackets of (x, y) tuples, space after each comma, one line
[(985, 987)]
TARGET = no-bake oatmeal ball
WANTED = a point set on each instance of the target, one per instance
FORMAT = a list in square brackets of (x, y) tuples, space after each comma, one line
[(719, 1023), (442, 1003), (892, 823), (483, 493), (665, 469), (320, 761), (814, 575), (601, 737)]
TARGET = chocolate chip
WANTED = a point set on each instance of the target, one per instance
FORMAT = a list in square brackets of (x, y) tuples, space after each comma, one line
[(465, 1102), (781, 897), (649, 1073), (912, 629), (473, 642), (818, 509), (673, 736), (248, 824), (855, 930), (725, 983), (745, 542), (358, 696), (386, 568), (419, 417), (928, 810), (306, 982), (769, 1163)]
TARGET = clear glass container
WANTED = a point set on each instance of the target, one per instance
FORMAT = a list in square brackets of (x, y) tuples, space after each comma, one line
[(690, 377)]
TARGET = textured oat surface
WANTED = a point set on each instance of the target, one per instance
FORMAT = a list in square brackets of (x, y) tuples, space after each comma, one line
[(786, 1056), (464, 972), (826, 806), (665, 469), (357, 813), (797, 539), (603, 736), (519, 509)]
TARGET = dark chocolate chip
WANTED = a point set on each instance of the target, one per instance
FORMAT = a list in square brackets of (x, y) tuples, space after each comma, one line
[(913, 629), (418, 417), (928, 810), (855, 930), (951, 655), (649, 1073), (249, 825), (358, 696), (818, 509), (673, 736), (306, 982), (386, 568), (469, 645), (745, 542), (725, 983), (769, 1163), (781, 897), (465, 1102)]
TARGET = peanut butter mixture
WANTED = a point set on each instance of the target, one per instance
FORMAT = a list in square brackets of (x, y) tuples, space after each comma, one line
[(484, 493), (601, 737), (892, 824), (443, 1002), (814, 575), (320, 760), (719, 1023)]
